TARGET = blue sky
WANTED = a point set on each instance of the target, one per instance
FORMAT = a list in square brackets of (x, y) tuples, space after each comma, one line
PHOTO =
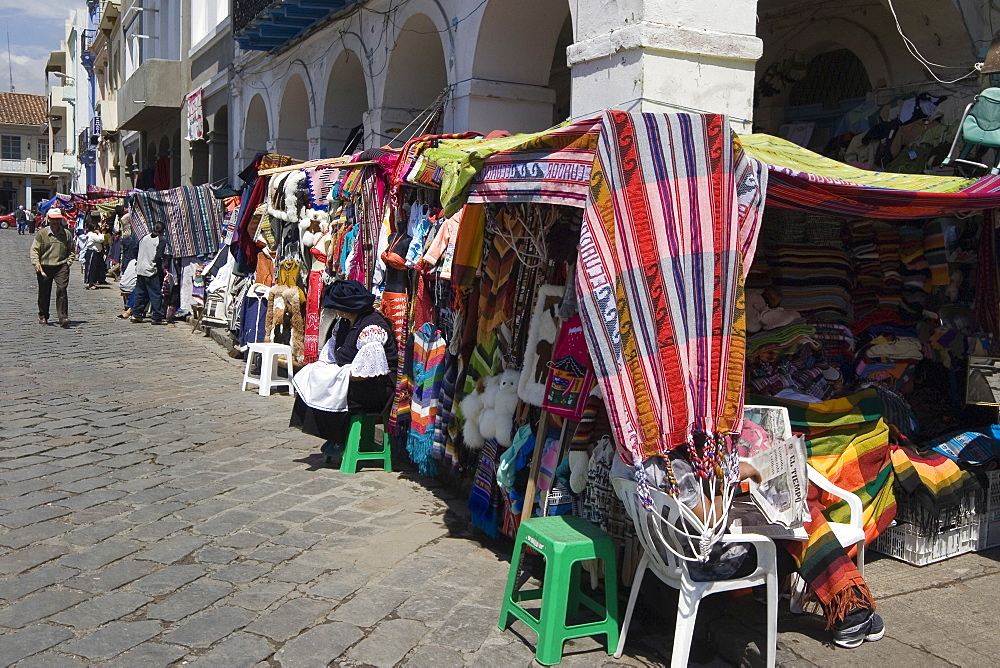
[(36, 27)]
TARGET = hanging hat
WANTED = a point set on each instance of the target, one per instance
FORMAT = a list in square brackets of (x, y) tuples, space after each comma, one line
[(349, 296), (54, 213)]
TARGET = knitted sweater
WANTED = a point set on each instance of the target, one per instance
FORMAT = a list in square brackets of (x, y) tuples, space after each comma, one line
[(49, 249)]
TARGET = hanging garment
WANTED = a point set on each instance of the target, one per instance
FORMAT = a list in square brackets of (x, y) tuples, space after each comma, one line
[(284, 319), (428, 369), (254, 315), (417, 229), (313, 298), (660, 277)]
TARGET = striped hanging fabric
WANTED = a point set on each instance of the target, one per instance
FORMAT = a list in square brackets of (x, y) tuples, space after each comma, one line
[(669, 231)]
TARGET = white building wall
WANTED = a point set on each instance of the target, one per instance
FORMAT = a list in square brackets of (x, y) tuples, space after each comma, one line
[(496, 59)]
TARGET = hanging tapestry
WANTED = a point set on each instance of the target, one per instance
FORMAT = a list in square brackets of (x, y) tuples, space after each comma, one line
[(668, 234), (571, 375), (192, 215)]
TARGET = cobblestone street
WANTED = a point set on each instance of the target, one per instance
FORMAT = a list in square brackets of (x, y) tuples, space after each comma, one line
[(151, 513)]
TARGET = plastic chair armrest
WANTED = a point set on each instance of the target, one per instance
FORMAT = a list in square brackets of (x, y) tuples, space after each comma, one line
[(763, 544), (853, 502)]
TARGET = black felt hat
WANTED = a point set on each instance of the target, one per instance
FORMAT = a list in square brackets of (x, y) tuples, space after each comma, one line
[(349, 296)]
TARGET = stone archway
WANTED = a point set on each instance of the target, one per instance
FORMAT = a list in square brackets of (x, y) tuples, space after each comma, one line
[(293, 120), (416, 76), (257, 129), (345, 104), (520, 80)]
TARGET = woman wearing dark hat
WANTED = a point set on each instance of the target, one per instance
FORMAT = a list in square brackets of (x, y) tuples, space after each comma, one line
[(356, 371)]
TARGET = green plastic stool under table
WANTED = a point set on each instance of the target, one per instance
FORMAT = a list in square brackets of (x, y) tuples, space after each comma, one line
[(361, 431), (564, 542)]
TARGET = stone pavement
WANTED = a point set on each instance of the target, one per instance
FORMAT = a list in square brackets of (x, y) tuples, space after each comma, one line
[(151, 514)]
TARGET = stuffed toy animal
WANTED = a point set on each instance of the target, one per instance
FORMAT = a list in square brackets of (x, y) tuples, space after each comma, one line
[(489, 411), (499, 403), (287, 196), (472, 408)]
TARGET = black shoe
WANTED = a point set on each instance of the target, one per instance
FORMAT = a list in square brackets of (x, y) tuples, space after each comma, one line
[(857, 627), (42, 320), (135, 318), (156, 322), (64, 323)]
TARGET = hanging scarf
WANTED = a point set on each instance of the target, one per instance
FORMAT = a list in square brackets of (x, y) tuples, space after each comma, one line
[(428, 367), (668, 233)]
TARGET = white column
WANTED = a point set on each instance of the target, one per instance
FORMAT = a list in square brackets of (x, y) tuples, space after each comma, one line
[(27, 192), (494, 105), (671, 54)]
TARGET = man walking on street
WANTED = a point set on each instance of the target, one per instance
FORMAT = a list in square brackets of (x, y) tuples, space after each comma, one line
[(21, 218), (149, 277), (52, 253)]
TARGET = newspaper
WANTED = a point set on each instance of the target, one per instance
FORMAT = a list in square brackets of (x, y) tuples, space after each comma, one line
[(746, 517), (780, 458)]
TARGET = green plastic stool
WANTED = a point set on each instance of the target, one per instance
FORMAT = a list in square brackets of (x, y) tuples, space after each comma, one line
[(361, 431), (564, 541)]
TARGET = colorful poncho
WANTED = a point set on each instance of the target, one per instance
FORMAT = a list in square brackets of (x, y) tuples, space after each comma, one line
[(668, 233)]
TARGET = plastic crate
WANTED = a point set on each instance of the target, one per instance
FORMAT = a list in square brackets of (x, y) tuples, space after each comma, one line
[(989, 530), (902, 542)]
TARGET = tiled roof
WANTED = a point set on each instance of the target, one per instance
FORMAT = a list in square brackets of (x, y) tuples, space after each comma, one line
[(22, 109)]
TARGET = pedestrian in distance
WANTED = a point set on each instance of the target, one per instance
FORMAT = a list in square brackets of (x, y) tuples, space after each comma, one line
[(95, 266), (149, 277), (52, 253), (21, 218)]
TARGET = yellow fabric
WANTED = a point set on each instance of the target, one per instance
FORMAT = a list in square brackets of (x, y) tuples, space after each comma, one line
[(781, 153)]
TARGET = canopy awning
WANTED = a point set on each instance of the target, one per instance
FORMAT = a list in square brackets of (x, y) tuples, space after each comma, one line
[(801, 179), (553, 167)]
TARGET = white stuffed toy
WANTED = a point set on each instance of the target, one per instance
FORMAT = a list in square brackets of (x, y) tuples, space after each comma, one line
[(499, 404), (472, 408), (489, 413)]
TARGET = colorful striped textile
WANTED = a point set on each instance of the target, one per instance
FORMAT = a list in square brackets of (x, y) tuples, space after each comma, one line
[(933, 492), (847, 441), (827, 567), (548, 167), (484, 499), (192, 215), (668, 234), (429, 349)]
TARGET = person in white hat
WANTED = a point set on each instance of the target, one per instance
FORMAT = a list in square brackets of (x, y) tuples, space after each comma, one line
[(52, 253)]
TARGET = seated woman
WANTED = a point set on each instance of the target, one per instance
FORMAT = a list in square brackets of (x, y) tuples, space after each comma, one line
[(355, 373), (824, 564)]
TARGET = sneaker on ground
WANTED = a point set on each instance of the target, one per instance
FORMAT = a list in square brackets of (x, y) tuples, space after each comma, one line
[(858, 627)]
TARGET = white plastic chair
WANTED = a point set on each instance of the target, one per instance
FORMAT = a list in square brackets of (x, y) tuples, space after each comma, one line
[(674, 572), (849, 534)]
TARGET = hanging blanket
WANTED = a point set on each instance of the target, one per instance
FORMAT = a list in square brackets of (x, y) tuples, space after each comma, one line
[(668, 234), (191, 214), (484, 500), (428, 368)]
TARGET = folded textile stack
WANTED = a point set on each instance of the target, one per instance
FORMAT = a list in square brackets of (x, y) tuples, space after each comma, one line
[(796, 270), (781, 342), (867, 270), (887, 238), (836, 342), (932, 491)]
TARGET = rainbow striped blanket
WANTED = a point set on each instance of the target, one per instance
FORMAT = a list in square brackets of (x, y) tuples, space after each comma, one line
[(668, 233), (848, 442)]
